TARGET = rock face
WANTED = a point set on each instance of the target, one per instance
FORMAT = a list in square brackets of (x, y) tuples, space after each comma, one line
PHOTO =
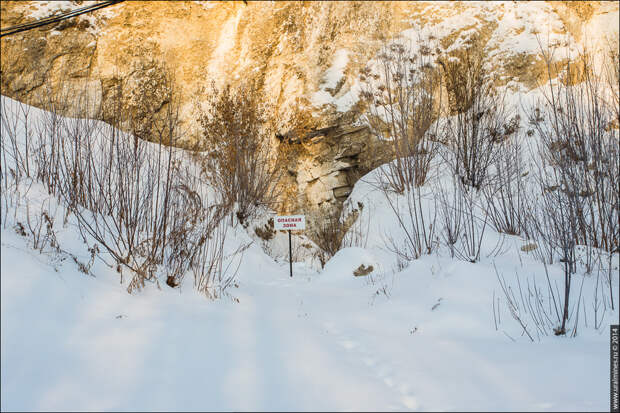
[(326, 166), (305, 55)]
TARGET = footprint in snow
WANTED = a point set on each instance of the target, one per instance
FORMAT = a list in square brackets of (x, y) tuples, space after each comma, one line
[(383, 370)]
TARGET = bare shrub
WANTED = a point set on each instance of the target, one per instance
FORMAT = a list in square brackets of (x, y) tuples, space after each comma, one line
[(450, 204), (557, 227), (15, 121), (480, 156), (149, 216), (11, 164), (210, 276), (125, 207), (506, 193), (401, 94), (577, 173), (611, 77), (134, 199), (475, 220), (479, 117), (239, 158), (330, 231), (356, 234), (199, 236), (416, 213), (581, 143), (539, 309), (47, 156), (40, 227)]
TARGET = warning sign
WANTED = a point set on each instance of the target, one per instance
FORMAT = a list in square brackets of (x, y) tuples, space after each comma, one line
[(291, 222)]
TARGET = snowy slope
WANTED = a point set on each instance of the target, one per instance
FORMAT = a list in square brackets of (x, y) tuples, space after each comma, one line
[(74, 342), (423, 338)]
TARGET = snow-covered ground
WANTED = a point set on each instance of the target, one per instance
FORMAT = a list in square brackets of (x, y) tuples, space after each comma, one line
[(324, 341), (426, 337)]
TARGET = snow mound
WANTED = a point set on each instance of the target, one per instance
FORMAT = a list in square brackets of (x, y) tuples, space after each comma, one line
[(346, 261)]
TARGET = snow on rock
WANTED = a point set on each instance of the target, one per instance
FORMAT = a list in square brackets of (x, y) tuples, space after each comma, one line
[(331, 87), (96, 20), (297, 51), (43, 9)]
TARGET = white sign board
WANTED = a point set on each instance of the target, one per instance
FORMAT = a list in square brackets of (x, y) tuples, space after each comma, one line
[(290, 222)]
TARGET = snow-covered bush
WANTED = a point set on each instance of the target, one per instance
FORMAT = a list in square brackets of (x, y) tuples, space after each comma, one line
[(575, 216), (142, 203)]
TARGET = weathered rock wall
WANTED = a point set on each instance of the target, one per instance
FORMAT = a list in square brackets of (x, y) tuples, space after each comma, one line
[(305, 55)]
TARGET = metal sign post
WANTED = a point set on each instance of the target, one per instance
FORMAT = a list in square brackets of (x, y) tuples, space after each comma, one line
[(290, 252), (290, 222)]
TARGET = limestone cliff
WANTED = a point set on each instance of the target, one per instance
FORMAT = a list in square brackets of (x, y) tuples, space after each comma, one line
[(306, 55)]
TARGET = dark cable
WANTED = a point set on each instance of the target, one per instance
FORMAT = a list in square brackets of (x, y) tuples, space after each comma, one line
[(54, 19)]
